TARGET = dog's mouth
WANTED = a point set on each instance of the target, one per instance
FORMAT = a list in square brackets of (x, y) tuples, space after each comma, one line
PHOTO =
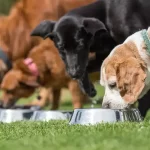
[(77, 75), (8, 104)]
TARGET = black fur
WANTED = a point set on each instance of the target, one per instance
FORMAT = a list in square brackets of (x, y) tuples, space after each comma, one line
[(97, 27)]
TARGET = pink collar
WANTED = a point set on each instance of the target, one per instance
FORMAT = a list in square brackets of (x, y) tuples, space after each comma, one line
[(32, 66)]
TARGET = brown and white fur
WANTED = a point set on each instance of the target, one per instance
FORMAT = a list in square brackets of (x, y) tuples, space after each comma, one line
[(125, 73)]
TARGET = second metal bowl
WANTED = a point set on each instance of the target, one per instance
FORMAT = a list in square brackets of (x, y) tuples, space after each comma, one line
[(51, 115), (94, 116)]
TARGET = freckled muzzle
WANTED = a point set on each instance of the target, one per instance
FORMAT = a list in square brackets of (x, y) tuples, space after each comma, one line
[(110, 105)]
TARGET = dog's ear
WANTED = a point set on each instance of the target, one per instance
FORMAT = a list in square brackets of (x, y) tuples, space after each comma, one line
[(26, 75), (44, 29), (20, 65), (131, 79), (93, 25)]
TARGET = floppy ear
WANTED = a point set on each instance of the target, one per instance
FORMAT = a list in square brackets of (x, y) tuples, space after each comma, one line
[(44, 29), (26, 76), (131, 79), (20, 65), (93, 25)]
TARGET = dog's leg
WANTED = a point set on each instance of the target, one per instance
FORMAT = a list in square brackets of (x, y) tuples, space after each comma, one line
[(87, 86), (144, 104), (42, 98), (78, 98), (56, 99)]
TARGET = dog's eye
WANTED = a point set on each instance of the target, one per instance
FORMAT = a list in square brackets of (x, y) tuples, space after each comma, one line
[(80, 44), (112, 85)]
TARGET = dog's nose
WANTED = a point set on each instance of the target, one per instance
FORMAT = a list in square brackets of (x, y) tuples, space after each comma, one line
[(106, 105)]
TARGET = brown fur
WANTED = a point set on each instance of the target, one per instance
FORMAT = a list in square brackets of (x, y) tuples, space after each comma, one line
[(19, 82), (15, 29), (129, 69)]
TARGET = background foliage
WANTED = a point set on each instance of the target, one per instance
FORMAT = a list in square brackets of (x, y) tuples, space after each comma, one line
[(5, 6)]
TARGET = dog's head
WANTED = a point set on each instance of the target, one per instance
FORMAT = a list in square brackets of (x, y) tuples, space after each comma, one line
[(73, 37), (124, 81), (18, 82)]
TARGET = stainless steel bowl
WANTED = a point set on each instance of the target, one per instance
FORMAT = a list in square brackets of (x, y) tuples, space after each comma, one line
[(50, 115), (10, 115), (94, 116), (26, 107)]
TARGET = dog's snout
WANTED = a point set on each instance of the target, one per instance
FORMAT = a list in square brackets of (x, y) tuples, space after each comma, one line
[(7, 103), (106, 105), (1, 104), (74, 73)]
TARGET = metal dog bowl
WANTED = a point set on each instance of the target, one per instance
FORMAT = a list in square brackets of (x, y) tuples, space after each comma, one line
[(12, 115), (26, 107), (94, 116), (50, 115)]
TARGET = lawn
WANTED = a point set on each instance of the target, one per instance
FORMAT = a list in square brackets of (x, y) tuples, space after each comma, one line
[(59, 135)]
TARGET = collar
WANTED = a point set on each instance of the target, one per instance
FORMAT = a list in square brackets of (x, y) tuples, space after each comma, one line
[(146, 40), (32, 66), (6, 60)]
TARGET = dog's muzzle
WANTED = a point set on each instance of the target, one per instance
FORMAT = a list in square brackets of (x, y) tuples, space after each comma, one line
[(75, 74)]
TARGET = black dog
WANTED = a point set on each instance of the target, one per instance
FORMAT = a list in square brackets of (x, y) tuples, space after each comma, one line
[(97, 27)]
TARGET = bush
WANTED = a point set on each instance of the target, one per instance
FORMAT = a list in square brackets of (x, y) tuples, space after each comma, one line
[(5, 6)]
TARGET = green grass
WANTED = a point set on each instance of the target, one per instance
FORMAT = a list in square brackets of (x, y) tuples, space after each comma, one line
[(58, 135)]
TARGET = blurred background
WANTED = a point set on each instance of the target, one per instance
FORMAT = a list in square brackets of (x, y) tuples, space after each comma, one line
[(5, 6)]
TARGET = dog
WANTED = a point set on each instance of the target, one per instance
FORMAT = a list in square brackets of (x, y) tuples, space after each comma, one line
[(97, 27), (43, 67), (125, 73), (16, 26)]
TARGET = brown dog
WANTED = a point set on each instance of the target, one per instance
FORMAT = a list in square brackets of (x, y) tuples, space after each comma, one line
[(43, 67)]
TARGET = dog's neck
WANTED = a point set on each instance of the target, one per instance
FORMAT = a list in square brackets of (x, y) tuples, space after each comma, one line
[(142, 48), (141, 53)]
